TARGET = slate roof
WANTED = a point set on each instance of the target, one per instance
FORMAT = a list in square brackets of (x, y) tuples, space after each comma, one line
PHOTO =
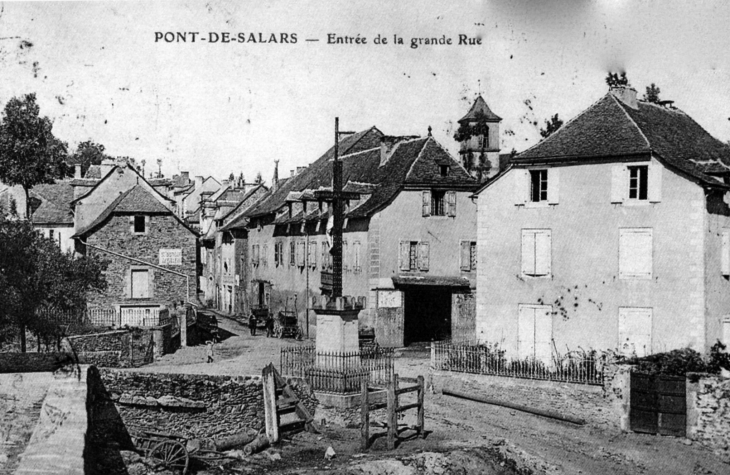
[(480, 110), (55, 203), (93, 172), (610, 128), (137, 200), (412, 162)]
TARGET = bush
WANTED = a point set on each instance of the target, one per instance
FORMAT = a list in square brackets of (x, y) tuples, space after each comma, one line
[(674, 363), (718, 358)]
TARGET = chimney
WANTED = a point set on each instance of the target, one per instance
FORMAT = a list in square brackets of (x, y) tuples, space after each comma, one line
[(77, 171), (198, 182), (106, 165), (292, 173), (299, 169), (275, 181), (185, 176), (625, 94)]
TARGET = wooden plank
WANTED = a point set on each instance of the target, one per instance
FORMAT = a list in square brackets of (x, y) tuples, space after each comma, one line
[(420, 418), (381, 405), (364, 414), (286, 401), (271, 417), (409, 389), (392, 415), (414, 405), (408, 380)]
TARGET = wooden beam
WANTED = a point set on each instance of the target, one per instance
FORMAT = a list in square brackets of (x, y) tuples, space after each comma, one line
[(271, 417)]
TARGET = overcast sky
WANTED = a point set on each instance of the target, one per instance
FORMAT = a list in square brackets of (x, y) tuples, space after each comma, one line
[(219, 108)]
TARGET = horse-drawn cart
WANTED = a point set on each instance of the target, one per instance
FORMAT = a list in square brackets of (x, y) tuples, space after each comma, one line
[(286, 324), (170, 451)]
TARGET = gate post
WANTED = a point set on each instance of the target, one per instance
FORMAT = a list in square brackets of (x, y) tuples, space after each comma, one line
[(364, 413)]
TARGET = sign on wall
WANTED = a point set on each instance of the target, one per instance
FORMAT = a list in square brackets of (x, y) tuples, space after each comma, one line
[(170, 257), (389, 299)]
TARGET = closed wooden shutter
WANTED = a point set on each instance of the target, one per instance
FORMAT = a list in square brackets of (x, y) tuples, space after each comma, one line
[(635, 253), (634, 331), (426, 203), (264, 256), (528, 252), (526, 332), (553, 186), (451, 203), (313, 254), (404, 255), (277, 253), (618, 183), (725, 250), (300, 253), (423, 255), (655, 183), (465, 256), (543, 334), (356, 256), (345, 256), (140, 284), (543, 251)]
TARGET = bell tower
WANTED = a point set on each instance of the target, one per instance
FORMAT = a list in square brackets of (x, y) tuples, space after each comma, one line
[(478, 135)]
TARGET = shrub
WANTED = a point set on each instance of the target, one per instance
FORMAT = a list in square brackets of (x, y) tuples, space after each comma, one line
[(675, 363)]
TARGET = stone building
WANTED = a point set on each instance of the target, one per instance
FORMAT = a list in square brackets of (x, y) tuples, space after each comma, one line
[(612, 233), (152, 253)]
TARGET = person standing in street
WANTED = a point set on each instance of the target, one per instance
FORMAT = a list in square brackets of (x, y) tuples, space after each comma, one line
[(269, 326), (252, 324), (209, 350)]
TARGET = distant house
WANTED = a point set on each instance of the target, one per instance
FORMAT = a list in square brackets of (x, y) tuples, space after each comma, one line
[(152, 252), (51, 212), (612, 233), (409, 239)]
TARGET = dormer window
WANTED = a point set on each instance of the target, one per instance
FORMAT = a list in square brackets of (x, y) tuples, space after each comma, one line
[(538, 185), (444, 170)]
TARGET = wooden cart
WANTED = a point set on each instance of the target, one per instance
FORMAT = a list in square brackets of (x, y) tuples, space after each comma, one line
[(167, 449), (286, 324)]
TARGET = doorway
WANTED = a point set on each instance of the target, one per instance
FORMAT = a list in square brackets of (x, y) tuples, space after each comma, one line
[(427, 313)]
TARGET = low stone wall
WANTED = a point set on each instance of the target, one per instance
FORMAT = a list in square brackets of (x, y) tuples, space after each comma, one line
[(195, 406), (33, 362), (60, 436), (578, 400), (708, 412), (119, 348)]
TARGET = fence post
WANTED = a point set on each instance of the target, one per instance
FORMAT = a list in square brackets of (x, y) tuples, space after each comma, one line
[(420, 406), (364, 412), (392, 413), (269, 386), (433, 355)]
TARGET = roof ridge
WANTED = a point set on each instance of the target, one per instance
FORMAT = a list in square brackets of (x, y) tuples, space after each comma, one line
[(410, 169), (564, 126), (626, 113)]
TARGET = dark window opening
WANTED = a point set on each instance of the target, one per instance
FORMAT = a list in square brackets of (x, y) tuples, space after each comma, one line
[(638, 182), (413, 256), (139, 224), (538, 186), (444, 170), (437, 203)]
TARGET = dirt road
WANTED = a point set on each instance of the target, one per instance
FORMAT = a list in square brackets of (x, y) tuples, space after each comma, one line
[(540, 444)]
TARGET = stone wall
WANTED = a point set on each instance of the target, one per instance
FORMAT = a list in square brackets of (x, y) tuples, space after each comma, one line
[(116, 349), (33, 362), (195, 406), (708, 412)]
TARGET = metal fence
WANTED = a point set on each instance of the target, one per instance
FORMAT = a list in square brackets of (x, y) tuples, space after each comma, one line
[(338, 372), (109, 317), (582, 368)]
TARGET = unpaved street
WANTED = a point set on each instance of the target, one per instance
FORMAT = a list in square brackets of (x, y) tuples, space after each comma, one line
[(542, 445)]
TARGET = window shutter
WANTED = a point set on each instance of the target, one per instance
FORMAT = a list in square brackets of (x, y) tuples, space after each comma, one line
[(426, 205), (451, 201), (151, 283), (276, 254), (635, 253), (542, 252), (128, 284), (521, 186), (131, 224), (528, 252), (618, 183), (634, 331), (553, 186), (404, 256), (423, 255), (465, 255), (264, 256), (356, 256), (345, 256), (300, 253), (655, 183), (526, 332), (725, 259), (543, 334)]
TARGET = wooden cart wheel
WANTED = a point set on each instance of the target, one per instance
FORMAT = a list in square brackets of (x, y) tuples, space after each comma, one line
[(172, 454)]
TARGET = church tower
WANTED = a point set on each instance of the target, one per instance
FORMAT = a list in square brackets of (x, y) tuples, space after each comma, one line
[(478, 135)]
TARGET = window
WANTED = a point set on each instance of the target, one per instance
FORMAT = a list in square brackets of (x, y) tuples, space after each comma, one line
[(345, 256), (444, 170), (326, 256), (414, 255), (140, 284), (535, 332), (278, 253), (255, 254), (468, 256), (312, 254), (225, 266), (634, 331), (638, 182), (439, 203), (356, 267), (300, 253), (50, 234), (635, 253), (139, 225), (536, 252), (292, 254), (538, 185), (263, 256)]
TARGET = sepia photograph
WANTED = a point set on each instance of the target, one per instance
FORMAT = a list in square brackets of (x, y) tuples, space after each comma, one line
[(375, 237)]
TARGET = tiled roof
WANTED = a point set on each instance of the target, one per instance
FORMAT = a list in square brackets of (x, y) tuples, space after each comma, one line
[(480, 110), (412, 162), (55, 203), (610, 128), (135, 200)]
